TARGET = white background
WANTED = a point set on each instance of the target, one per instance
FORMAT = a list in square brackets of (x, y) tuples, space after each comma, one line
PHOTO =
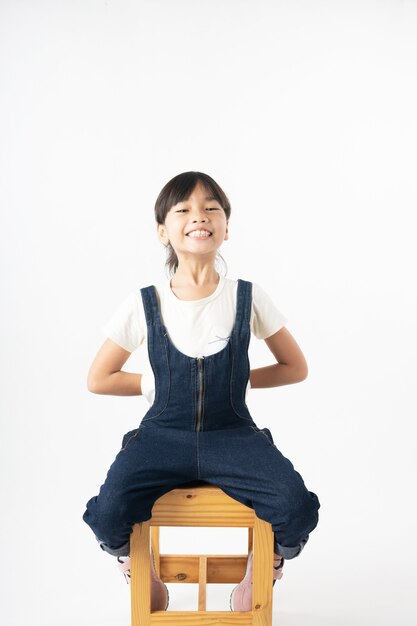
[(305, 114)]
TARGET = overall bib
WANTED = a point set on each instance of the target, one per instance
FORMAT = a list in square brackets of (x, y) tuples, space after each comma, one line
[(199, 430)]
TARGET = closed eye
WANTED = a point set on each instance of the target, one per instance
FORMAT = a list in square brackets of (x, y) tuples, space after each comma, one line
[(209, 209)]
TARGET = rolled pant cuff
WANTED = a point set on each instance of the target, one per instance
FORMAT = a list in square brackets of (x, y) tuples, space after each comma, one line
[(289, 552), (123, 550)]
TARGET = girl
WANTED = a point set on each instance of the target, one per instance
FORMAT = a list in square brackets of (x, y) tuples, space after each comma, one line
[(197, 327)]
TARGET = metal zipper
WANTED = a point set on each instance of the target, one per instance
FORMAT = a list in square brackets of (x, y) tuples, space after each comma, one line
[(200, 374)]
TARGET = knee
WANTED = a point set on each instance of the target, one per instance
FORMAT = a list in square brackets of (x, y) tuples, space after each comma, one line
[(105, 514), (304, 510)]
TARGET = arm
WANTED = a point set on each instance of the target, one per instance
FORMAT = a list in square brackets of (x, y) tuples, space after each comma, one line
[(105, 375), (291, 366)]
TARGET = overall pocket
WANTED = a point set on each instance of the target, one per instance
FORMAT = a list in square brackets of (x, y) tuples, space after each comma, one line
[(265, 432), (129, 436)]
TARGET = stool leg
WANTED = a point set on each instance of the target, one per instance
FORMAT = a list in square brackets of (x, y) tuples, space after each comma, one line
[(263, 562), (156, 548), (140, 586), (202, 583), (250, 539)]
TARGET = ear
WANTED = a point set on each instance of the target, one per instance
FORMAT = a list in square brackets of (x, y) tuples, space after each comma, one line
[(162, 233)]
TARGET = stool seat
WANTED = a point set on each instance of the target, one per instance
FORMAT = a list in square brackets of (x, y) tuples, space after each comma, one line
[(198, 503)]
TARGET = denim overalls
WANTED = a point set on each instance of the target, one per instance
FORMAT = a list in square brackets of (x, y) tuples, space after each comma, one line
[(199, 430)]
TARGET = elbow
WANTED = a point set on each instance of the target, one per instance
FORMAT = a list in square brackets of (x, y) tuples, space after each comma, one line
[(94, 380), (92, 385), (304, 375), (300, 373)]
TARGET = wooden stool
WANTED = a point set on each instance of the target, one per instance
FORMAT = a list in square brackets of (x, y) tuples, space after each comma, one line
[(201, 504)]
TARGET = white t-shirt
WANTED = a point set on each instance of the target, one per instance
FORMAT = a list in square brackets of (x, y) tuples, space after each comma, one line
[(196, 327)]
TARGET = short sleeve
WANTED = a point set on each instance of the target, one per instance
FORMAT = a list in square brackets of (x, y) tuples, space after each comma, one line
[(126, 326), (266, 319)]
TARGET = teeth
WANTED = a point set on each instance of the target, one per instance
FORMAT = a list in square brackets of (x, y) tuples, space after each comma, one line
[(199, 233)]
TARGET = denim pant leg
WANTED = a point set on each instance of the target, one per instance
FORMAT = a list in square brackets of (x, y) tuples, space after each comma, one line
[(151, 463), (247, 466), (123, 550), (126, 497)]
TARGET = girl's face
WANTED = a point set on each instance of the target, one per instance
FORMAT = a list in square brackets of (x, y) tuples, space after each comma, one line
[(199, 212)]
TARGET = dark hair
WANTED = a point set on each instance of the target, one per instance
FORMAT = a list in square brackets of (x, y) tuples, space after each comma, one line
[(179, 189)]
